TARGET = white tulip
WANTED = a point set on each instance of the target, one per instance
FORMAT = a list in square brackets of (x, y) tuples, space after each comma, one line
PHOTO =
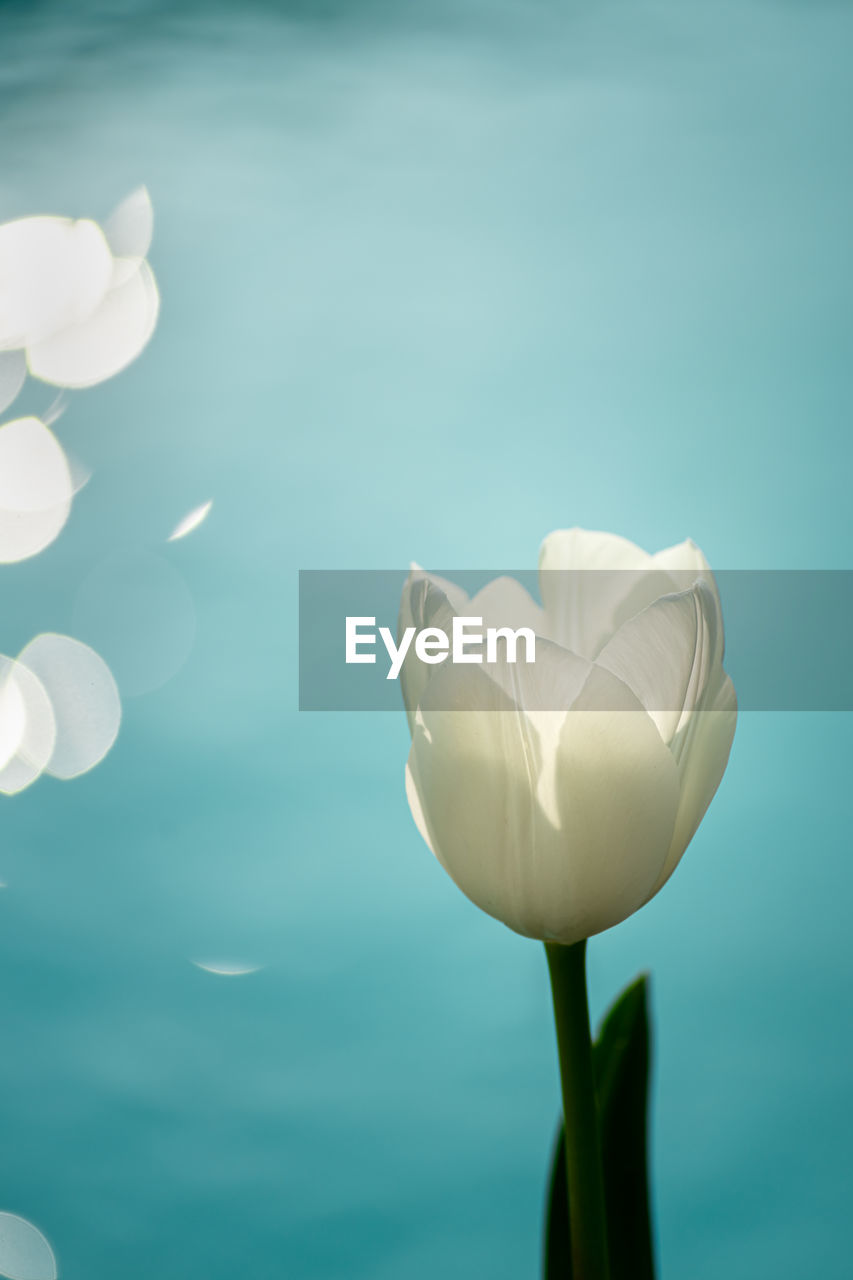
[(560, 796)]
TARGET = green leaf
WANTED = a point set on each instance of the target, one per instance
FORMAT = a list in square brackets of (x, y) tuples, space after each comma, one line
[(558, 1240), (621, 1061)]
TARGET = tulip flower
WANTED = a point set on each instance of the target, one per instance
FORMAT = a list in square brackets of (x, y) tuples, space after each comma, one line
[(561, 794)]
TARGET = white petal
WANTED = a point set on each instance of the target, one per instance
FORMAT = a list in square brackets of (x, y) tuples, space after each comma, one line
[(590, 549), (618, 790), (475, 799), (190, 522), (559, 868), (84, 697), (24, 1252), (426, 601), (684, 557), (228, 968), (685, 563), (456, 596), (701, 765), (590, 583), (13, 375), (55, 272), (668, 654), (581, 606), (84, 354), (130, 226), (504, 602)]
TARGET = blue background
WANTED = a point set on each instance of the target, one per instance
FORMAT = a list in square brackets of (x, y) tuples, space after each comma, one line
[(436, 278)]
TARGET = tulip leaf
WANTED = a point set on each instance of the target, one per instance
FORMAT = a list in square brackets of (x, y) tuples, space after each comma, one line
[(621, 1063), (558, 1240)]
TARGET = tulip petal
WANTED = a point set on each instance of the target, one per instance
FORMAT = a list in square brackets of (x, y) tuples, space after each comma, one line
[(683, 557), (591, 583), (590, 549), (556, 823), (504, 602), (701, 764), (426, 601), (668, 654), (618, 792), (455, 594)]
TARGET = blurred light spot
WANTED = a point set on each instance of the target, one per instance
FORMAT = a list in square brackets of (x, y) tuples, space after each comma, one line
[(13, 375), (190, 521), (55, 410), (81, 355), (227, 968), (55, 272), (130, 226), (84, 697), (13, 718), (27, 727), (35, 488), (137, 610), (81, 472), (34, 474), (24, 1252)]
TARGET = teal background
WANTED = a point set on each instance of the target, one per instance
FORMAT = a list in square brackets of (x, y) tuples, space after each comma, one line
[(436, 279)]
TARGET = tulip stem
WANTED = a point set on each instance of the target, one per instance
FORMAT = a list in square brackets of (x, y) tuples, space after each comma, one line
[(587, 1219)]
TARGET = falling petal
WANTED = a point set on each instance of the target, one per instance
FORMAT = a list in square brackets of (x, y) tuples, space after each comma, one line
[(130, 226), (227, 968), (27, 727), (190, 521), (24, 1252), (137, 610), (85, 354), (55, 272), (13, 375), (35, 488), (84, 697)]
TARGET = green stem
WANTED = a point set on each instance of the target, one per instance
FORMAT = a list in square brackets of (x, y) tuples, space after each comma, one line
[(587, 1221)]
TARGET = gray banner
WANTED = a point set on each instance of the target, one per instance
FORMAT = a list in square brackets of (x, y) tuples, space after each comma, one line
[(788, 633)]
